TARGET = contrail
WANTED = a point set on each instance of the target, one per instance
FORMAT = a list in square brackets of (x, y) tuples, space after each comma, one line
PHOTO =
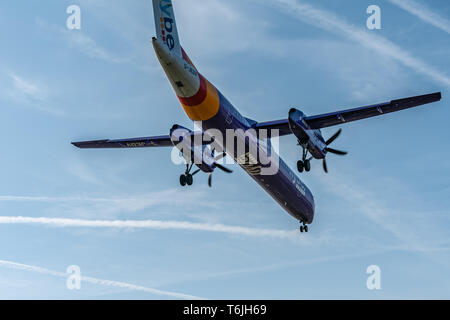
[(153, 224), (102, 282), (151, 198), (332, 23), (60, 199), (424, 13), (134, 203)]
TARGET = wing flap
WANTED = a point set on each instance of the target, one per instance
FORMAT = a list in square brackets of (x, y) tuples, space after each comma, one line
[(146, 142), (344, 116)]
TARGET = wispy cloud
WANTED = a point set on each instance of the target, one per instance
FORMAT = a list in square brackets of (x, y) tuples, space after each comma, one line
[(410, 230), (102, 282), (285, 265), (27, 88), (83, 43), (89, 47), (83, 172), (423, 12), (154, 224), (26, 92), (211, 28), (331, 22), (118, 203)]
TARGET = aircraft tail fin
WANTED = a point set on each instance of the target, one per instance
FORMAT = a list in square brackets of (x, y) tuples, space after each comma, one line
[(166, 27)]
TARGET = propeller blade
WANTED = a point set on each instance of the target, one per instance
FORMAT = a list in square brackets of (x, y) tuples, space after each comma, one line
[(210, 180), (325, 167), (334, 137), (338, 152), (221, 167)]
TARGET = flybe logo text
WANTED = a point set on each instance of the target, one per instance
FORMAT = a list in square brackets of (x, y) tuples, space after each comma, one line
[(167, 23)]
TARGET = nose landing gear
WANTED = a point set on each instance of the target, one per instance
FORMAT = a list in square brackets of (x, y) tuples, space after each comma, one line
[(303, 227), (187, 178)]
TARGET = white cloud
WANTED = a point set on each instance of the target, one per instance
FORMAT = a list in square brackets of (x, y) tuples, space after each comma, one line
[(102, 282), (83, 172), (153, 224), (80, 41), (410, 229), (27, 88), (423, 12), (110, 207), (330, 22), (28, 93), (89, 47), (216, 27), (133, 203)]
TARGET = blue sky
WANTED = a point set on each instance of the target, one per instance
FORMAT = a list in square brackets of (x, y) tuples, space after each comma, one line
[(386, 203)]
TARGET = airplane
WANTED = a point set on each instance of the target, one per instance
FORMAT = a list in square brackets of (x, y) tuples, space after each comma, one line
[(204, 103)]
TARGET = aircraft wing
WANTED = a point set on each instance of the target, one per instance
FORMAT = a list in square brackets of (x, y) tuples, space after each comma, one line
[(349, 115), (159, 141), (281, 125), (340, 117)]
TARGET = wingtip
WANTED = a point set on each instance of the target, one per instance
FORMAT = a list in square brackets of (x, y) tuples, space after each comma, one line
[(437, 96)]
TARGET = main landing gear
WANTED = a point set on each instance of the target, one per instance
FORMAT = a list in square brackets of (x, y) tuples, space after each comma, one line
[(304, 164), (303, 227), (187, 178)]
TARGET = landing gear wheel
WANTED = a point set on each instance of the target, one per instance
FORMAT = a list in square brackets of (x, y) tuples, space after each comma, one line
[(183, 180), (300, 166), (189, 180), (305, 228), (302, 229), (307, 167)]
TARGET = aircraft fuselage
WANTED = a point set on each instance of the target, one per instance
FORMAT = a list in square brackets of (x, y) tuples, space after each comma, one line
[(203, 102)]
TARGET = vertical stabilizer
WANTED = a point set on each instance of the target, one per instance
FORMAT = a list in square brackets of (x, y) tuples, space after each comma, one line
[(166, 27)]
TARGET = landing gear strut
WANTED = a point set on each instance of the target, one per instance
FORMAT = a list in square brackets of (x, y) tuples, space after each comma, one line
[(187, 178), (303, 227), (304, 164)]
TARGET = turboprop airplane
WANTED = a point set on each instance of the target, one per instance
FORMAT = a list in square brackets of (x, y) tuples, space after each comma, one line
[(205, 104)]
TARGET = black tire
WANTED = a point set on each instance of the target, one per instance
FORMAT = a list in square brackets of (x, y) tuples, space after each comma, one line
[(189, 179), (301, 229), (300, 166), (183, 180), (307, 165), (306, 228)]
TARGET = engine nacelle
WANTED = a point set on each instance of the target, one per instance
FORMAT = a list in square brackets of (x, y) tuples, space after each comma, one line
[(298, 127), (311, 138)]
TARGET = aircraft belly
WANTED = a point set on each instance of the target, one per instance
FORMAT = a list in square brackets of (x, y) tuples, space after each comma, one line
[(284, 186), (287, 194)]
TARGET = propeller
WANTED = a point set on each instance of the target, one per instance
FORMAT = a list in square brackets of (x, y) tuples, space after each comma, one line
[(219, 166), (338, 152), (325, 168), (334, 137), (331, 150)]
